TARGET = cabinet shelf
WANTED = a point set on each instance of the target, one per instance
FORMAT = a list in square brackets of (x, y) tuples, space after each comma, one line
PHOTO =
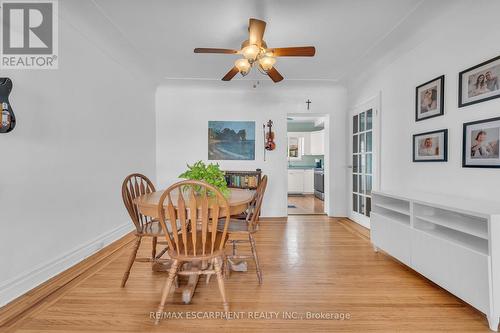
[(468, 241), (399, 207), (477, 229), (393, 216)]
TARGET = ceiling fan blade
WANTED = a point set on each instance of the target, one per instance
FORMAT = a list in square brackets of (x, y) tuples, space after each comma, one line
[(256, 30), (211, 50), (300, 51), (274, 75), (230, 74)]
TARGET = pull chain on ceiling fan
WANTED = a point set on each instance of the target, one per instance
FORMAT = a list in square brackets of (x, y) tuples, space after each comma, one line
[(256, 53)]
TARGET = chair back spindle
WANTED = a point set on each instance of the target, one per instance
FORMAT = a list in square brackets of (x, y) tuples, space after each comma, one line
[(134, 186), (256, 204), (199, 206)]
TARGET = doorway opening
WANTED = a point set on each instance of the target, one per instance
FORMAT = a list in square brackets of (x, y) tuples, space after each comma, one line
[(307, 153)]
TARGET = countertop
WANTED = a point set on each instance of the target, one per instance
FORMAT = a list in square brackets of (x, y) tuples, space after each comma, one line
[(300, 167)]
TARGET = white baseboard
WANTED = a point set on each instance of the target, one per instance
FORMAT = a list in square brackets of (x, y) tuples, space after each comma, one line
[(361, 223), (19, 285)]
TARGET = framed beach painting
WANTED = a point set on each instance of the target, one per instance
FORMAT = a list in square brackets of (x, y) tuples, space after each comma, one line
[(231, 140), (479, 83), (429, 99), (480, 144), (431, 146)]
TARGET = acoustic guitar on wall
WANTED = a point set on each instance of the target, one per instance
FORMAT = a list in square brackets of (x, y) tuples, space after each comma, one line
[(7, 117)]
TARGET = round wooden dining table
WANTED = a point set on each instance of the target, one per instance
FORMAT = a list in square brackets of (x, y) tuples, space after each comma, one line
[(238, 201)]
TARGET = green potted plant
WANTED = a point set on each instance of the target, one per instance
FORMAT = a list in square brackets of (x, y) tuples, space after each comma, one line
[(211, 174)]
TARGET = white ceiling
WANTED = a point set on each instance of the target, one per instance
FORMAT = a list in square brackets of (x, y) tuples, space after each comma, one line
[(163, 33)]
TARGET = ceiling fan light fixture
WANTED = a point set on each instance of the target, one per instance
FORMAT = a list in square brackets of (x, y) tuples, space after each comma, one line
[(250, 52), (267, 62), (256, 53), (243, 66)]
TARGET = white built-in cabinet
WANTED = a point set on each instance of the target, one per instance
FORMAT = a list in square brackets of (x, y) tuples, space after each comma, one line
[(300, 181), (310, 143), (317, 143), (454, 242), (308, 181), (307, 144), (295, 181)]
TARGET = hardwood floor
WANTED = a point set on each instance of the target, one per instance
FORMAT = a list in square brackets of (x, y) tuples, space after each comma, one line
[(305, 205), (310, 263)]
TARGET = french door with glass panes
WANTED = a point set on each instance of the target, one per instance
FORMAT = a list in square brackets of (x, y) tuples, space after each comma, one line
[(363, 164)]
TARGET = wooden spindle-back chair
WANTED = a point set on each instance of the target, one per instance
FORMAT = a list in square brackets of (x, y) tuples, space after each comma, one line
[(248, 227), (253, 215), (196, 207), (134, 186)]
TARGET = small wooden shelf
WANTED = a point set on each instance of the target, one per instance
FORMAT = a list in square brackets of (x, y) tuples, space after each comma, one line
[(243, 179)]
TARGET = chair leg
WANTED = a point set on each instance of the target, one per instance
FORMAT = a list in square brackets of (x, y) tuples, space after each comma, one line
[(226, 269), (208, 276), (220, 280), (172, 273), (255, 257), (131, 260), (227, 259), (153, 252), (162, 252), (234, 247)]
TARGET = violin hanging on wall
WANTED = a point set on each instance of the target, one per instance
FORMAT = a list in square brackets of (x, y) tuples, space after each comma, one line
[(269, 143), (7, 117)]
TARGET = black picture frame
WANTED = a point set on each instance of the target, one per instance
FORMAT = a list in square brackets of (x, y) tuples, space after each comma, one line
[(461, 103), (445, 145), (464, 144), (440, 97)]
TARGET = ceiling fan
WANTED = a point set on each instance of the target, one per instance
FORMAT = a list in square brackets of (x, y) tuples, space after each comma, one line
[(256, 53)]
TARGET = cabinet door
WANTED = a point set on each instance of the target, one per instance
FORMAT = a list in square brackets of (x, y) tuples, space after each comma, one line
[(295, 181), (461, 271), (321, 143), (391, 236), (317, 143), (314, 143), (309, 181), (306, 143)]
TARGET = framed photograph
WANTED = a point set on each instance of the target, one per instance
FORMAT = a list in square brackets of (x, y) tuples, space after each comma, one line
[(429, 99), (480, 144), (479, 83), (231, 140), (431, 146)]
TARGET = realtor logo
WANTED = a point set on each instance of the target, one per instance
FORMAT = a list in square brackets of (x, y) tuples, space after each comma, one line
[(29, 34)]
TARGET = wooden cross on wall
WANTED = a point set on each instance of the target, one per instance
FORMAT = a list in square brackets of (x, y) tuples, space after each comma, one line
[(308, 102)]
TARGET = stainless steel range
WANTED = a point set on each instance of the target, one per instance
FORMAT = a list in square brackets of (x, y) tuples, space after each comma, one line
[(319, 183)]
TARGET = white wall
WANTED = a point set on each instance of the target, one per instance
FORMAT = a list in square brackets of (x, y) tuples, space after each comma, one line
[(80, 130), (466, 35), (184, 108)]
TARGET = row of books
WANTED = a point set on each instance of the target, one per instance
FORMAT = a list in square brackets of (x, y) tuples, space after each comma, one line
[(242, 181)]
